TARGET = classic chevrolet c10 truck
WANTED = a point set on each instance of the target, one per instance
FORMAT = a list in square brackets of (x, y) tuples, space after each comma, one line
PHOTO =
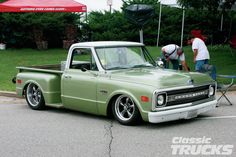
[(117, 79)]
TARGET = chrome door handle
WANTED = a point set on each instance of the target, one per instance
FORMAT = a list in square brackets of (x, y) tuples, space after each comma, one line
[(67, 77)]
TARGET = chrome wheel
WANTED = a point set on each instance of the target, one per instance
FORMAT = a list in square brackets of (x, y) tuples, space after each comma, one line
[(124, 108), (34, 96)]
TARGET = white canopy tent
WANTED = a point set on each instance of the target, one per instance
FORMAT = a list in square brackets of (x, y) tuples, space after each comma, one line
[(172, 3)]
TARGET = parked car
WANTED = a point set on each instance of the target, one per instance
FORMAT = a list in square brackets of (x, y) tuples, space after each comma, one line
[(119, 79)]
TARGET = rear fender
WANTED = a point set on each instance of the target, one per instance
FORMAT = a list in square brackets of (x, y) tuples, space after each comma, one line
[(48, 83)]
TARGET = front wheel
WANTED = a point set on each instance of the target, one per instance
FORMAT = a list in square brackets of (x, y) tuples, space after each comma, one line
[(125, 111), (34, 97)]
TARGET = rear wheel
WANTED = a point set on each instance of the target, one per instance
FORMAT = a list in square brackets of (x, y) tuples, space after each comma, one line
[(34, 97), (125, 111)]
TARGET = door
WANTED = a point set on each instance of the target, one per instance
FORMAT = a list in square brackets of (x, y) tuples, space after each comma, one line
[(79, 82)]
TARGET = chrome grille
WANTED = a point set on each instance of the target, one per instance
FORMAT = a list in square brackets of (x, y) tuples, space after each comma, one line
[(187, 95)]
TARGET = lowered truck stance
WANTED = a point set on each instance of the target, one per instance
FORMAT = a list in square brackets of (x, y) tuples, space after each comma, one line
[(119, 79)]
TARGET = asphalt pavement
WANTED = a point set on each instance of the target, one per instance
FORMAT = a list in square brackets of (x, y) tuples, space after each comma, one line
[(60, 132)]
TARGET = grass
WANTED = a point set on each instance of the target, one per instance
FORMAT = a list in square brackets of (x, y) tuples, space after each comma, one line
[(221, 57), (11, 58)]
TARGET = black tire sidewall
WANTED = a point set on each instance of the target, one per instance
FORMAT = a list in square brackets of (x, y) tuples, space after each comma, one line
[(134, 120), (41, 104)]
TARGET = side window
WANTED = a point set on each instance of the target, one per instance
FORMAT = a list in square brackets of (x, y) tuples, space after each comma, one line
[(82, 58)]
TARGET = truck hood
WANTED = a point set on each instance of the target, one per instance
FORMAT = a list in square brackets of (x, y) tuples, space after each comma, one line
[(160, 78)]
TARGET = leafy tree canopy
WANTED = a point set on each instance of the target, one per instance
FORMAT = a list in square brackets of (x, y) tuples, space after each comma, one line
[(129, 2), (211, 5)]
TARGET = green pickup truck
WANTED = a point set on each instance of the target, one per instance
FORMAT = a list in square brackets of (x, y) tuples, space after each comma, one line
[(117, 79)]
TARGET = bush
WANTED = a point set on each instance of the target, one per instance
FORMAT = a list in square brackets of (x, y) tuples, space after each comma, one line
[(19, 28)]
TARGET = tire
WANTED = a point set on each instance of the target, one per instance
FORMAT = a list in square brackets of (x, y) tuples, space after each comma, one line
[(125, 111), (34, 97)]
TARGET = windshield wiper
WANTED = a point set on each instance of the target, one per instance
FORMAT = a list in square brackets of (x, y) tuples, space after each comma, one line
[(141, 65), (117, 67)]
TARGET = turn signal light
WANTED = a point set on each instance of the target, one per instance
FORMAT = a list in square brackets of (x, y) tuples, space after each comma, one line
[(144, 99), (19, 81)]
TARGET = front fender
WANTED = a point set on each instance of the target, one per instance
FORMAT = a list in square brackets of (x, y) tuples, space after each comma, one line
[(142, 106), (110, 90)]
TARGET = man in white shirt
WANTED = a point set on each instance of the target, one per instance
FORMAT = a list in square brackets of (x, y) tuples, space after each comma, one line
[(201, 55), (173, 53), (200, 52)]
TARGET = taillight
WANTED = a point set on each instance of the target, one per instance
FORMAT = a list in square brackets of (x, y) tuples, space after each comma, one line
[(18, 81)]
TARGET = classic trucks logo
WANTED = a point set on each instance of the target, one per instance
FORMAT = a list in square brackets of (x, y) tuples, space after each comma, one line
[(199, 146)]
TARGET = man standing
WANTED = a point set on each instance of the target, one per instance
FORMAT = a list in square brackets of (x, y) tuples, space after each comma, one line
[(201, 56), (200, 53), (173, 53)]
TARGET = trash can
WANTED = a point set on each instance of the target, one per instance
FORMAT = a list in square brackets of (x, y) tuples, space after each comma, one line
[(2, 46)]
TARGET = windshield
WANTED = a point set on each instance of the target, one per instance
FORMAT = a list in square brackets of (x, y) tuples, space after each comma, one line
[(124, 57)]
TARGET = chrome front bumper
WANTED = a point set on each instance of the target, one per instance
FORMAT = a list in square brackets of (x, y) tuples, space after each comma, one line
[(181, 113)]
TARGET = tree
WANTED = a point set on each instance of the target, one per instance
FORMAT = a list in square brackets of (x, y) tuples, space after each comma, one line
[(129, 2), (107, 26), (211, 5), (215, 11)]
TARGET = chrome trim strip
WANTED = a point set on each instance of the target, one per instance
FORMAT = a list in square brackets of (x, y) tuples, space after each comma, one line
[(57, 92), (174, 107), (19, 88), (65, 96)]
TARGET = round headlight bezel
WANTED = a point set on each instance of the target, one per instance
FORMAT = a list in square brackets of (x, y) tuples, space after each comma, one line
[(161, 100), (211, 91)]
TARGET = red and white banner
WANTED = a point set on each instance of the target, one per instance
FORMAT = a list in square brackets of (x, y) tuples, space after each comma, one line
[(42, 6)]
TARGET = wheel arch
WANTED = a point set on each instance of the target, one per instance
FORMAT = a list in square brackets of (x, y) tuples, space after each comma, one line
[(109, 106), (27, 84), (115, 95)]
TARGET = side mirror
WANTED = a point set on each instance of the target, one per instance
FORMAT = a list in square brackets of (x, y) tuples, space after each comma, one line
[(83, 69), (159, 62)]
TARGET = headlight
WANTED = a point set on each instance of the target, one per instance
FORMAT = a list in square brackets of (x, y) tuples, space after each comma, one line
[(211, 91), (161, 100)]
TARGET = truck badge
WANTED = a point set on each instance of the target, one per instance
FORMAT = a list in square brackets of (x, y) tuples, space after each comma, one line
[(190, 82)]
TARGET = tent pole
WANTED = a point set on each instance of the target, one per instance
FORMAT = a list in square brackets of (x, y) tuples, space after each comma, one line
[(141, 35), (182, 31), (159, 25), (86, 17), (221, 23)]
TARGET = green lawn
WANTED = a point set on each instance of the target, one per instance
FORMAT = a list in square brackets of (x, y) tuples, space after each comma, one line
[(11, 58), (220, 57)]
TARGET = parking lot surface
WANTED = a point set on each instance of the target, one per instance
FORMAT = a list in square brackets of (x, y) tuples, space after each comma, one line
[(60, 132)]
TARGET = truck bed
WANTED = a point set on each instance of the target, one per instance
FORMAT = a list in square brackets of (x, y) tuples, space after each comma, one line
[(54, 68)]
